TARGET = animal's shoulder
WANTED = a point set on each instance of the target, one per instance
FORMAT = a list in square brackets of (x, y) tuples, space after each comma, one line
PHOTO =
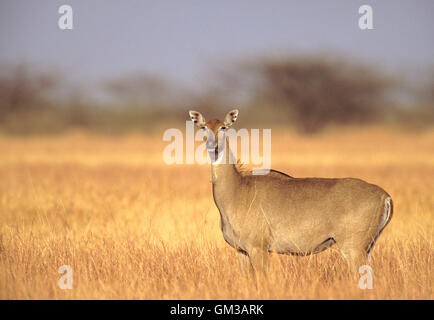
[(272, 174), (278, 174)]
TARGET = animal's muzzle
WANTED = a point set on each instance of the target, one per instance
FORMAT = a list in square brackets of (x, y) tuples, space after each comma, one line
[(210, 144)]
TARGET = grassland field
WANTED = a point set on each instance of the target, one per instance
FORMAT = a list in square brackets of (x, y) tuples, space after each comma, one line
[(133, 227)]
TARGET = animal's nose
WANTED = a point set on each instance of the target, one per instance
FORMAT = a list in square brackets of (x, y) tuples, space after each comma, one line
[(210, 144)]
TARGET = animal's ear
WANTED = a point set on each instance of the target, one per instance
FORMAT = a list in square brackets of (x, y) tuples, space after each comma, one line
[(197, 118), (231, 117)]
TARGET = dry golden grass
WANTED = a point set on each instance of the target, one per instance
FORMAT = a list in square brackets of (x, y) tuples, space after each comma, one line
[(132, 227)]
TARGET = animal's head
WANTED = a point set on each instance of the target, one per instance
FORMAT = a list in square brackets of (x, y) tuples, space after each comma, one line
[(215, 130)]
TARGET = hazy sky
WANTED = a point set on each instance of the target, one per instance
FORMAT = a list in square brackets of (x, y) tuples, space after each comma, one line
[(183, 39)]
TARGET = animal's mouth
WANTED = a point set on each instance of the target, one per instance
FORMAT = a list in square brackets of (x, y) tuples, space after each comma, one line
[(214, 153)]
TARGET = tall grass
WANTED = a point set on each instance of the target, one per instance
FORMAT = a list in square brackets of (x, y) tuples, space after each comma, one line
[(132, 227)]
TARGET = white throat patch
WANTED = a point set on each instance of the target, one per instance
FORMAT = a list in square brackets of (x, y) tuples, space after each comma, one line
[(220, 158)]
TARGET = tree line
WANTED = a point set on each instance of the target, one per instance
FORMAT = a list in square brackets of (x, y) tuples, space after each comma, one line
[(306, 93)]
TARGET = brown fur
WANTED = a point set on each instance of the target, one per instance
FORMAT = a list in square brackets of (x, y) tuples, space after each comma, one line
[(279, 213)]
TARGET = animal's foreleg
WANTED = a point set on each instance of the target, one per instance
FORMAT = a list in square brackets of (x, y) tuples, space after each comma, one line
[(245, 265), (259, 260)]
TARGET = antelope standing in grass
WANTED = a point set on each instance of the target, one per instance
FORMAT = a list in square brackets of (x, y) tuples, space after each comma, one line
[(278, 213)]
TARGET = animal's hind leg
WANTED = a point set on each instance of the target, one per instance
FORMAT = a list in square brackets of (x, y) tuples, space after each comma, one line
[(355, 257)]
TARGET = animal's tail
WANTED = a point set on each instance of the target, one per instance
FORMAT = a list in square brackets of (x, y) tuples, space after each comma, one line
[(385, 219)]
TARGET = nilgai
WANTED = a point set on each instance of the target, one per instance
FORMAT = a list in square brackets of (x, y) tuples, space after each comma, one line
[(279, 213)]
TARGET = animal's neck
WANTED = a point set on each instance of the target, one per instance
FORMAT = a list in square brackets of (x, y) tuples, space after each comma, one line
[(226, 181), (223, 169)]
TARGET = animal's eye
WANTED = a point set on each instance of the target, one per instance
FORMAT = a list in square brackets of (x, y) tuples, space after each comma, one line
[(222, 128), (203, 128)]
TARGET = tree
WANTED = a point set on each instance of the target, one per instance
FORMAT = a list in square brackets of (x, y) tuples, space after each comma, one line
[(139, 89), (22, 89), (317, 92)]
